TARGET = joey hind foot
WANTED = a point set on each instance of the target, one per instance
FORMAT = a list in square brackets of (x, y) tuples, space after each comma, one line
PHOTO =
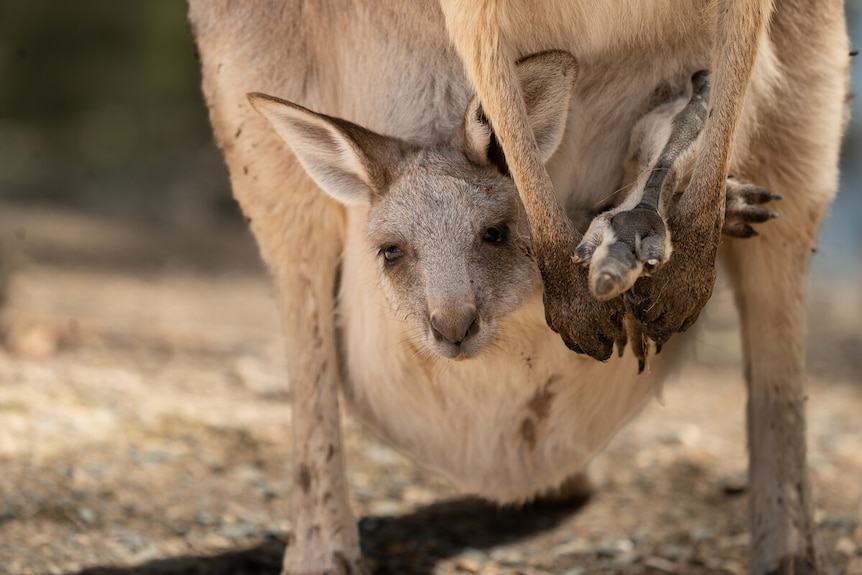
[(744, 207), (628, 243), (650, 316), (619, 248)]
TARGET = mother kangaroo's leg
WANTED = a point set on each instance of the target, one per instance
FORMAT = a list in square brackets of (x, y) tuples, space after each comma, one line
[(793, 150), (300, 235)]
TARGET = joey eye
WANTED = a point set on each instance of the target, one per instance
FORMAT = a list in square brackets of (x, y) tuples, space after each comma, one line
[(496, 234), (391, 253)]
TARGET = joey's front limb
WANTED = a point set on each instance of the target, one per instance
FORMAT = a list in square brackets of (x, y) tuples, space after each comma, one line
[(671, 299), (632, 239), (743, 209)]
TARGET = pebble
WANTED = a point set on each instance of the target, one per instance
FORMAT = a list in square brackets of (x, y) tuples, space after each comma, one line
[(238, 531), (734, 567), (703, 533), (622, 560), (507, 556), (672, 552), (467, 564), (86, 515), (660, 564), (845, 546), (574, 546)]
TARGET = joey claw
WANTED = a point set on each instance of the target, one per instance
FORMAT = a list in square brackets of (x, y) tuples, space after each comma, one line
[(599, 230), (583, 254), (742, 231), (744, 207)]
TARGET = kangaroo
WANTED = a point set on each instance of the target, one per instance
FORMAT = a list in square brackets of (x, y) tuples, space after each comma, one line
[(409, 71)]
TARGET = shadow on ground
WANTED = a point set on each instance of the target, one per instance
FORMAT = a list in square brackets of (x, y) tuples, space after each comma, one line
[(411, 543)]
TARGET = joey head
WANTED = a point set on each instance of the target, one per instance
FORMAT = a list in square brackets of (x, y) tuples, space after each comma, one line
[(453, 246)]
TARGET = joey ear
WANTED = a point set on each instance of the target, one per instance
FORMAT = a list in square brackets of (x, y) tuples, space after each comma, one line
[(547, 81), (348, 162)]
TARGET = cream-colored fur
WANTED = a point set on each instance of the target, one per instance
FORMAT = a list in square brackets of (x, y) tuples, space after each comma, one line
[(779, 96)]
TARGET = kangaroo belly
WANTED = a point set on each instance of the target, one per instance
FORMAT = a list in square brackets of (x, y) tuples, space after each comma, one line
[(516, 419)]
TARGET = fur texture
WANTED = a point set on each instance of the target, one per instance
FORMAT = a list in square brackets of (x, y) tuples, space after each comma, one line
[(525, 412)]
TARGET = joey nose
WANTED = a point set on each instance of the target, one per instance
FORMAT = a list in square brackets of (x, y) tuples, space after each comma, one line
[(454, 323)]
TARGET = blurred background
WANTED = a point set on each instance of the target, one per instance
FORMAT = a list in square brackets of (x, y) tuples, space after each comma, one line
[(102, 112), (101, 115), (140, 351), (103, 131)]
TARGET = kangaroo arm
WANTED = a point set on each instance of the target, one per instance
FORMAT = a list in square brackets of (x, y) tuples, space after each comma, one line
[(739, 29), (476, 30), (670, 301)]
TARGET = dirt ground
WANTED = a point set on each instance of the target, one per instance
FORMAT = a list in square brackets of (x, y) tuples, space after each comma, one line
[(145, 428)]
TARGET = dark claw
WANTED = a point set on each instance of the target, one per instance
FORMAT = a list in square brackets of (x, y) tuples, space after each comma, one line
[(756, 214), (658, 347), (740, 231), (757, 195), (582, 254), (641, 365)]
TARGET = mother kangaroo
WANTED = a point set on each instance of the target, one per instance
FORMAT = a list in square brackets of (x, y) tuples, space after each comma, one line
[(406, 72)]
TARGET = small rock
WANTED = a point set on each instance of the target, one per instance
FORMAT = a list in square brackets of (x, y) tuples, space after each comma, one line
[(239, 531), (703, 533), (507, 556), (845, 546), (86, 515), (417, 495), (36, 341), (574, 546), (622, 560), (205, 517), (672, 552), (467, 564), (660, 564), (734, 567)]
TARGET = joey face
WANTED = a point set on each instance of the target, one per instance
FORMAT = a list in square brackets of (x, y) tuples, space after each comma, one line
[(453, 251), (451, 236)]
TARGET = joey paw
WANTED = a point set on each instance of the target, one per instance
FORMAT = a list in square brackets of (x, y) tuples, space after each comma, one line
[(621, 247)]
